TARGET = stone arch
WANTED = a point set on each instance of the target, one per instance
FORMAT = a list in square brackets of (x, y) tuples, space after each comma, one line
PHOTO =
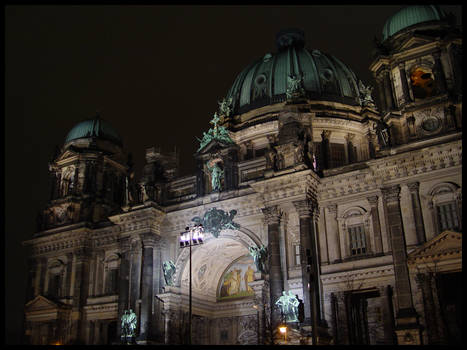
[(237, 241)]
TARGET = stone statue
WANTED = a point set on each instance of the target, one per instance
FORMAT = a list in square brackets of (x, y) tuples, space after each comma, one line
[(365, 94), (298, 153), (216, 220), (383, 134), (216, 176), (294, 87), (288, 304), (225, 106), (128, 324), (259, 257), (169, 272)]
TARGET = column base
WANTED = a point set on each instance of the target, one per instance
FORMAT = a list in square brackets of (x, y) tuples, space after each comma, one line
[(408, 329)]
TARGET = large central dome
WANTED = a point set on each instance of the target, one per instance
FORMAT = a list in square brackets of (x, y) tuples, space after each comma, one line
[(264, 81)]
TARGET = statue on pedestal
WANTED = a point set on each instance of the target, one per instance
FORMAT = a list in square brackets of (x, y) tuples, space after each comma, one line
[(128, 326), (288, 304)]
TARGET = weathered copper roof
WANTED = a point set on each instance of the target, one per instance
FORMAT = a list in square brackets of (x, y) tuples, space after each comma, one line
[(264, 82), (410, 16), (95, 127)]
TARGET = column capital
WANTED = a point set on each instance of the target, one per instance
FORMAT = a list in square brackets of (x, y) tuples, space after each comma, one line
[(304, 208), (272, 214), (332, 209), (391, 193), (413, 186), (124, 244), (326, 134), (149, 240), (373, 200)]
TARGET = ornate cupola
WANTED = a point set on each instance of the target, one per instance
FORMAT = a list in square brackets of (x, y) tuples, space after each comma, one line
[(417, 68), (88, 176)]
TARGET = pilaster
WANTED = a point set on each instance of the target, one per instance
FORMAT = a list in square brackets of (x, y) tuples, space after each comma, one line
[(373, 200), (272, 216), (407, 327)]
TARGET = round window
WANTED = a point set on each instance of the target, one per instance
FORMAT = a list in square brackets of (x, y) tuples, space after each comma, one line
[(430, 124), (260, 79), (327, 74)]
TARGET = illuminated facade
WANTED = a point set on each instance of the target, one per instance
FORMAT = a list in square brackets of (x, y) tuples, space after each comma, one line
[(358, 205)]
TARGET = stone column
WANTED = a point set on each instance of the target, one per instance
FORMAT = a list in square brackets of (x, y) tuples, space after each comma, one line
[(123, 285), (259, 287), (273, 215), (325, 149), (408, 331), (438, 73), (135, 272), (405, 85), (80, 292), (306, 255), (373, 200), (380, 82), (388, 315), (387, 90), (332, 231), (417, 211), (147, 287), (424, 281)]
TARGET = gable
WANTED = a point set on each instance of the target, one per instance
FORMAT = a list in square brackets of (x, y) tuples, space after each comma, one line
[(40, 303), (413, 42), (446, 245)]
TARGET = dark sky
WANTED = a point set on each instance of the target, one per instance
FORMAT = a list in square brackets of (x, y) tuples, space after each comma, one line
[(154, 72)]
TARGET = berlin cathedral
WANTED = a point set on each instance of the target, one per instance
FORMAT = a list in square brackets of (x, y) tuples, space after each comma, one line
[(320, 211)]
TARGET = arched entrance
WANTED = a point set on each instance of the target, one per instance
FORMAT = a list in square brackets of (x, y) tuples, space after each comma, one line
[(222, 301)]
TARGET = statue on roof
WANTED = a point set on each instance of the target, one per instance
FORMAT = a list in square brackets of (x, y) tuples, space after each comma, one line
[(225, 106), (365, 95), (294, 87), (218, 133)]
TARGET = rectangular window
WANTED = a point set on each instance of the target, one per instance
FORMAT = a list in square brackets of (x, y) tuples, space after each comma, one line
[(54, 285), (112, 281), (296, 254), (447, 217), (337, 155), (357, 240)]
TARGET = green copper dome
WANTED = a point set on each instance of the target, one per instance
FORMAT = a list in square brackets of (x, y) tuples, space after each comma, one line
[(264, 82), (410, 16), (94, 128)]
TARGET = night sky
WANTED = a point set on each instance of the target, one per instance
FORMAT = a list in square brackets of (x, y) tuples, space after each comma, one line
[(154, 72)]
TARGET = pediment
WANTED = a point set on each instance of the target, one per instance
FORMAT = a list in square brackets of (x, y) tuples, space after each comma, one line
[(41, 303), (214, 146), (446, 244), (67, 154), (413, 42)]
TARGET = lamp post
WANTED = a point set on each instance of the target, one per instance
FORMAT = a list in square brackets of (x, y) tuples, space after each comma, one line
[(191, 237), (283, 330)]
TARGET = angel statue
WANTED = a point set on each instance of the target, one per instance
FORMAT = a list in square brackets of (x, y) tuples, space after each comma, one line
[(169, 271)]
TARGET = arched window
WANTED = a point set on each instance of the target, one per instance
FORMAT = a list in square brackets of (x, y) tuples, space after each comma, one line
[(446, 205), (356, 228), (422, 83)]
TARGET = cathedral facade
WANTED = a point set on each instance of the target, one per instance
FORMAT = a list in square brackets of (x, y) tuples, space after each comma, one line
[(303, 185)]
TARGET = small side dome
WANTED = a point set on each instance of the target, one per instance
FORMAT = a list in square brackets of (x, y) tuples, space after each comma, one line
[(95, 127), (410, 16)]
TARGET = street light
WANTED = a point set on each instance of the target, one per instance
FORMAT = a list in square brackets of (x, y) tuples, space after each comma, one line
[(283, 330), (191, 237)]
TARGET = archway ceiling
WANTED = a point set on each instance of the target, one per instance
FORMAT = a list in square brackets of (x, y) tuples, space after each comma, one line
[(209, 261)]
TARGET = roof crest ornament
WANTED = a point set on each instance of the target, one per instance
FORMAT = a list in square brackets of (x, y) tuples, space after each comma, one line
[(218, 133)]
